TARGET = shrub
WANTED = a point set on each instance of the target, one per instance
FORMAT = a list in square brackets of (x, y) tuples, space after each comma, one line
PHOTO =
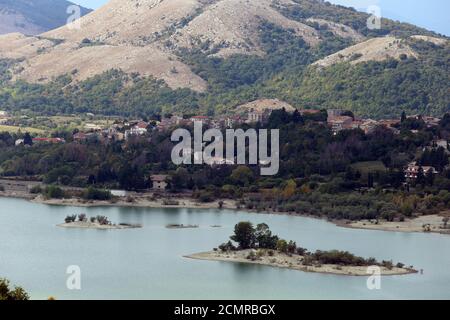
[(301, 251), (70, 219), (291, 247), (252, 256), (103, 220), (387, 264), (205, 196), (282, 246), (97, 194), (226, 247), (36, 189), (54, 192)]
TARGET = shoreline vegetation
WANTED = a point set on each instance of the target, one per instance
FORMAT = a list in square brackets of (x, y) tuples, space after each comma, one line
[(433, 223), (259, 246), (98, 222)]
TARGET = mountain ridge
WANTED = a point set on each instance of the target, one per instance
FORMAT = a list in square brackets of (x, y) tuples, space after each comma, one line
[(224, 52)]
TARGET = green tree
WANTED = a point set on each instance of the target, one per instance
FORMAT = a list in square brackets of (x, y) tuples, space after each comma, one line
[(27, 140), (244, 235), (242, 175), (282, 246), (430, 177), (421, 179), (54, 192), (403, 118), (9, 294), (264, 237)]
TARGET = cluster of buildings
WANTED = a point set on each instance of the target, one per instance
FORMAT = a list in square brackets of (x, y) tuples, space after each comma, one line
[(339, 120), (413, 169)]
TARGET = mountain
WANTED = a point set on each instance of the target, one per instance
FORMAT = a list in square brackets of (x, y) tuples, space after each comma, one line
[(33, 17), (146, 56)]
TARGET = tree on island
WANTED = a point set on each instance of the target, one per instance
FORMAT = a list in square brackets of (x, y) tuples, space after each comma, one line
[(244, 235), (265, 238)]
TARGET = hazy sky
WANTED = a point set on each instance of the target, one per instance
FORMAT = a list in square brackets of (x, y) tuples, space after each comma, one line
[(431, 14)]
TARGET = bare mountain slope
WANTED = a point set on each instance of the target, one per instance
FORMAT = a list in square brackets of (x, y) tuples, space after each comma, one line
[(233, 26), (376, 49), (133, 35)]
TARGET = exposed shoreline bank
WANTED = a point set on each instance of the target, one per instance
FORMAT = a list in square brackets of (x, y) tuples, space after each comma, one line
[(98, 226), (415, 225), (294, 262), (422, 224)]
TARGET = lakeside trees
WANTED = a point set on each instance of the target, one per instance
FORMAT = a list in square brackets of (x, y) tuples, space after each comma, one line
[(7, 293)]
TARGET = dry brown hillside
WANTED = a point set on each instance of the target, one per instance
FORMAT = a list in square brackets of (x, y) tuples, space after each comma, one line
[(376, 49), (133, 35)]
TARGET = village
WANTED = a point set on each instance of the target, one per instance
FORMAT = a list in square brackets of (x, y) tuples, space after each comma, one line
[(254, 112)]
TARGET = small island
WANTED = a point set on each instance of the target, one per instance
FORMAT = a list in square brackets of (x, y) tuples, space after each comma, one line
[(182, 226), (259, 246), (98, 222)]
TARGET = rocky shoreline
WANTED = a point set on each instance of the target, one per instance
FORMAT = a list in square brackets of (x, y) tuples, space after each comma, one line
[(294, 262)]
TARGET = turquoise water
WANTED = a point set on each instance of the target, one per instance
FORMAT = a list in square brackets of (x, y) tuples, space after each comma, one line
[(148, 263)]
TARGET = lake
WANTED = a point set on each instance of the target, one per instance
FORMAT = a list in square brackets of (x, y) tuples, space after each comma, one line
[(148, 263)]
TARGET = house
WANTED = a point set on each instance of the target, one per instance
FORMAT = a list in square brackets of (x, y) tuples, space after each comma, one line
[(368, 126), (79, 137), (159, 182), (134, 132), (255, 116), (412, 171), (142, 125), (219, 161), (431, 121), (340, 123), (203, 119), (442, 143), (332, 113), (19, 142), (166, 123)]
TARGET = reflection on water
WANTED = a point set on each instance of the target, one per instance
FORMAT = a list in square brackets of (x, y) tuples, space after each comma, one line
[(148, 263)]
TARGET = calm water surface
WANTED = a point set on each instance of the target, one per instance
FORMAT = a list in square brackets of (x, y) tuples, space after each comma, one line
[(148, 263)]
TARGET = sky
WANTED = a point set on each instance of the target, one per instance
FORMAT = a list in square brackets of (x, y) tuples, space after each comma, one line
[(430, 14)]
